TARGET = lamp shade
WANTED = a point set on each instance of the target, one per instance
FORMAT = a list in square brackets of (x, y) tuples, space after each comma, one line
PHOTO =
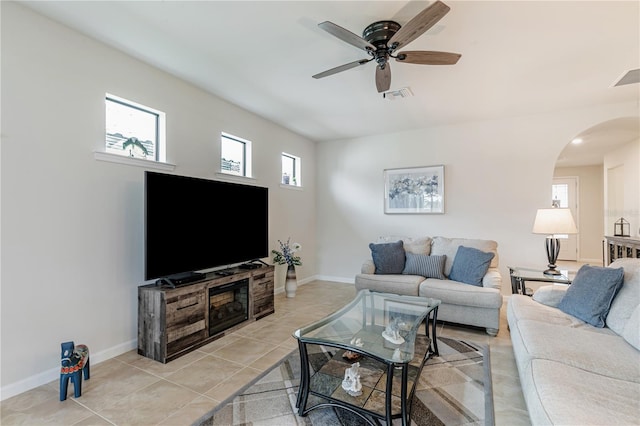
[(554, 221)]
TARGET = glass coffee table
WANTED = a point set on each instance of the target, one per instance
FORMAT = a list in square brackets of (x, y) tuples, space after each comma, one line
[(367, 357)]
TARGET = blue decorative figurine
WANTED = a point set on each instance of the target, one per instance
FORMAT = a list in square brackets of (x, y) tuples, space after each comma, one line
[(74, 360)]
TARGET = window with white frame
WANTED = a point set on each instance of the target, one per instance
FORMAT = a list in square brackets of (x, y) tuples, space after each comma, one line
[(290, 170), (133, 130), (560, 199), (235, 155)]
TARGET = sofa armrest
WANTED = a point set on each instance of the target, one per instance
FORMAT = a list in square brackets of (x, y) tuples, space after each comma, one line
[(368, 267), (550, 295), (492, 279)]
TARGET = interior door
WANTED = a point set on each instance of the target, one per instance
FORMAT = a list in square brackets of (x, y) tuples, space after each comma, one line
[(564, 193)]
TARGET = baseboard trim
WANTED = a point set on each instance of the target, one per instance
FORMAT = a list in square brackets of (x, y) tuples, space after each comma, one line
[(335, 279), (307, 280), (594, 262), (52, 374)]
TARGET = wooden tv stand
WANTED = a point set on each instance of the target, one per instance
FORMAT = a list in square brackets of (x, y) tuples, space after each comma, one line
[(175, 321)]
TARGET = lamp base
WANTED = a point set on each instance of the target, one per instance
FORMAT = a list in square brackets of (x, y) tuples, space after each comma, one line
[(553, 249)]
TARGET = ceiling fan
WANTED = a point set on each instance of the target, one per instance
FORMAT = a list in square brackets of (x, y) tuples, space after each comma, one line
[(383, 38)]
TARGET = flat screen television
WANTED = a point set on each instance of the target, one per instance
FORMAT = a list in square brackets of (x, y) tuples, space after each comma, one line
[(193, 224)]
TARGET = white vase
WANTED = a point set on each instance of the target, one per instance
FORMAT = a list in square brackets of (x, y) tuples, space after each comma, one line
[(291, 282)]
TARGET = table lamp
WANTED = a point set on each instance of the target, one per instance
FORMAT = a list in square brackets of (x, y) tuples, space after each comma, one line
[(553, 222)]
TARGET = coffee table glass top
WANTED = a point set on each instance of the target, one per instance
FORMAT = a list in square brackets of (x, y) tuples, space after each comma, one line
[(362, 324), (530, 274)]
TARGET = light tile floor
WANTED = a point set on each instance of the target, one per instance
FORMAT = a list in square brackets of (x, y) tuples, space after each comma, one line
[(133, 390)]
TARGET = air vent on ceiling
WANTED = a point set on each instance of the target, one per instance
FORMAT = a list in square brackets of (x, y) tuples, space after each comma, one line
[(405, 92), (629, 77)]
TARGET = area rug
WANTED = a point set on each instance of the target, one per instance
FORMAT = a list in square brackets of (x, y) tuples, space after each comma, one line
[(454, 389)]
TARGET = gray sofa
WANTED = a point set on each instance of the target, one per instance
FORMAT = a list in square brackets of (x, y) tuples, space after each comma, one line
[(571, 372), (476, 305)]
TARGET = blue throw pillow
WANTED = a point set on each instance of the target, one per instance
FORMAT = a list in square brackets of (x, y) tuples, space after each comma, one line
[(591, 292), (388, 257), (470, 265), (425, 265)]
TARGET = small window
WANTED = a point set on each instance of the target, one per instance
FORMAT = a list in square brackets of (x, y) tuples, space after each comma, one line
[(290, 170), (235, 155), (133, 130), (560, 195), (560, 199)]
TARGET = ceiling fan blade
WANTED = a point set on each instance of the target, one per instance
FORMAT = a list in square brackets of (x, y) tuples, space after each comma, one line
[(418, 25), (342, 68), (346, 36), (425, 57), (383, 78)]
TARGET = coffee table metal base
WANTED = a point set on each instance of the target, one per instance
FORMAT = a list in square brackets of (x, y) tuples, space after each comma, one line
[(322, 369)]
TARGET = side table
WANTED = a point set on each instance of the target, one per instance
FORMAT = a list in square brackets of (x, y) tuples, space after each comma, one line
[(520, 275)]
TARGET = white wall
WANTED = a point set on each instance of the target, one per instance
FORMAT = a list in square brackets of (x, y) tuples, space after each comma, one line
[(624, 163), (497, 174), (72, 227), (590, 210)]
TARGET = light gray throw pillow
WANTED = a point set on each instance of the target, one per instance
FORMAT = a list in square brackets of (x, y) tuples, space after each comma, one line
[(591, 292)]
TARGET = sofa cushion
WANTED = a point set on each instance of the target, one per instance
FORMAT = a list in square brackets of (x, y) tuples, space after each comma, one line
[(419, 245), (449, 247), (455, 293), (591, 292), (631, 332), (552, 388), (388, 258), (522, 307), (628, 297), (397, 284), (605, 353), (427, 266), (470, 265)]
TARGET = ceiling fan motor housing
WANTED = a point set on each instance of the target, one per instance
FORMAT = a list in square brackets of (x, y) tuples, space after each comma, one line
[(380, 32)]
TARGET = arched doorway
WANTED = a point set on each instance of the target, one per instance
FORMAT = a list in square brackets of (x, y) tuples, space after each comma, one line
[(602, 159)]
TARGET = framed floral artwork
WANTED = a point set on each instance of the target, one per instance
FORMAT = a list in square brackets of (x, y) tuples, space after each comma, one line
[(414, 190)]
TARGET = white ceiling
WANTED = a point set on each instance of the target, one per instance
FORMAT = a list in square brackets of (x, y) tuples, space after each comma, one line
[(518, 58)]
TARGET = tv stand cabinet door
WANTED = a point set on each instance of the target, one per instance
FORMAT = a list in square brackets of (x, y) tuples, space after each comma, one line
[(185, 321), (170, 321)]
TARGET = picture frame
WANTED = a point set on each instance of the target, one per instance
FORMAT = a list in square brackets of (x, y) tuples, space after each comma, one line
[(404, 310), (414, 190)]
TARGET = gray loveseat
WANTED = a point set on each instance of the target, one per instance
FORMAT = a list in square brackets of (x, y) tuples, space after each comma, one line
[(477, 305), (572, 372)]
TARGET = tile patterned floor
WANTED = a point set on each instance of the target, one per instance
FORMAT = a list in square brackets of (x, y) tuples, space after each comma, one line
[(133, 390)]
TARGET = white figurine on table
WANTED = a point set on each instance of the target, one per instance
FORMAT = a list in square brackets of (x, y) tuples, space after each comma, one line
[(392, 332), (351, 383)]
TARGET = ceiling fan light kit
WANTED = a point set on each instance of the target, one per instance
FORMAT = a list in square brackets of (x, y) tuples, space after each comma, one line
[(381, 39), (392, 95)]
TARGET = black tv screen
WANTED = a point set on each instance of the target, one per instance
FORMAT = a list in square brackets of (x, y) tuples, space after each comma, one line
[(192, 224)]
